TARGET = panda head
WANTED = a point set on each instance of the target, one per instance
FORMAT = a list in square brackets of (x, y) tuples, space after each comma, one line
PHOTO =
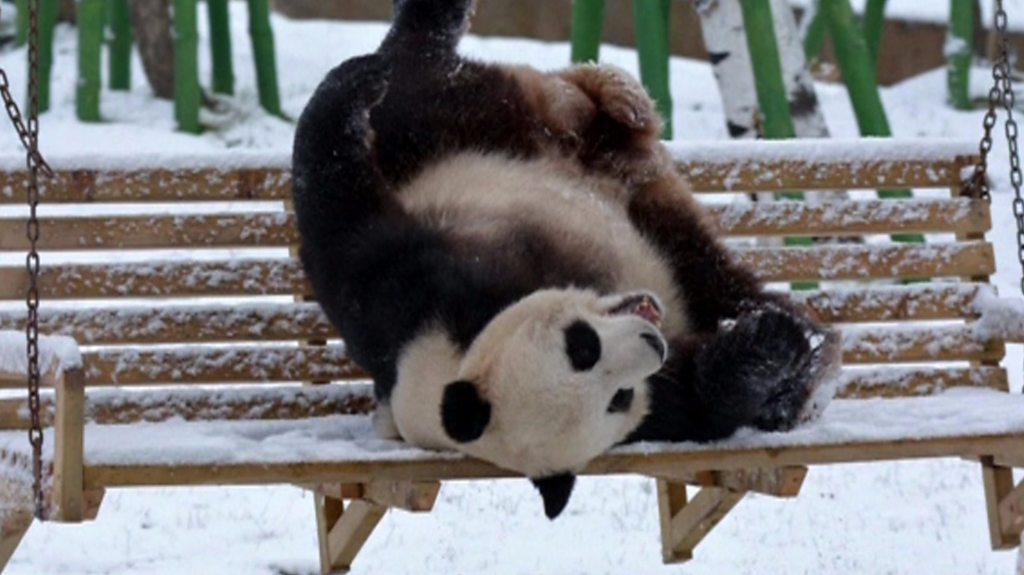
[(554, 381)]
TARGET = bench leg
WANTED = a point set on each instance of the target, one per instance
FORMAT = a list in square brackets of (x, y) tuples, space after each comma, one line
[(11, 532), (1004, 504), (685, 524), (343, 529)]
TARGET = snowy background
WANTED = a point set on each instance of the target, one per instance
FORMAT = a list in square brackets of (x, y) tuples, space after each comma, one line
[(908, 517)]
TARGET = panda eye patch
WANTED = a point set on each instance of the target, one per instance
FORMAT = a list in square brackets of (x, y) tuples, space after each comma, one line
[(582, 345)]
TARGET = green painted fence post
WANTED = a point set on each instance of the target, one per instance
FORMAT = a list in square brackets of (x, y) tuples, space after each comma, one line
[(119, 57), (22, 23), (651, 21), (91, 18), (187, 94), (814, 40), (862, 85), (587, 26), (263, 52), (959, 50), (874, 29), (48, 10), (771, 91), (220, 46)]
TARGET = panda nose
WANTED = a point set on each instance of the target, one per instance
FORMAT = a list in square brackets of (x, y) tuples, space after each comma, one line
[(656, 343)]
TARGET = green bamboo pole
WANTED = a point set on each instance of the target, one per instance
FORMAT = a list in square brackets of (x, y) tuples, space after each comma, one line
[(874, 29), (814, 41), (187, 94), (959, 51), (651, 20), (862, 85), (119, 57), (587, 25), (48, 10), (220, 46), (91, 19), (263, 52), (22, 22), (771, 91)]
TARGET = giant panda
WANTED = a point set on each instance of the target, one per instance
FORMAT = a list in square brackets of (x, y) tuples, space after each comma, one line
[(514, 259)]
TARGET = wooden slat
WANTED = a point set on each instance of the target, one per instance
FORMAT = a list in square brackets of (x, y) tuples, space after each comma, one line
[(894, 303), (671, 500), (212, 184), (219, 365), (894, 381), (960, 216), (918, 344), (782, 174), (852, 262), (836, 218), (155, 231), (443, 467), (284, 276), (185, 324), (302, 321), (350, 533), (152, 185), (69, 446), (121, 406), (698, 517)]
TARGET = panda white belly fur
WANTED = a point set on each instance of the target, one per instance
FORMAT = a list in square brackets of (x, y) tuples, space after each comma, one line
[(476, 195)]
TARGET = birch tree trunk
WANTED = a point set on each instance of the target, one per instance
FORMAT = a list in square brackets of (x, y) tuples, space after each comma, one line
[(151, 22)]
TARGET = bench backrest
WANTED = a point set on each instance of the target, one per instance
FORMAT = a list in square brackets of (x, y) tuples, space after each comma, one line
[(172, 274)]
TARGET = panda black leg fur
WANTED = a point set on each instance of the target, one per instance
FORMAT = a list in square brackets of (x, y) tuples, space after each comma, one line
[(762, 371)]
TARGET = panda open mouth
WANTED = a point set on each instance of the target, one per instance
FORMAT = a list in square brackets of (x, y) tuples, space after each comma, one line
[(641, 305)]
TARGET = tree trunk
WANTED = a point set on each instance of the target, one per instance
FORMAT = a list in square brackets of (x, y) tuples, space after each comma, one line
[(151, 22), (726, 41)]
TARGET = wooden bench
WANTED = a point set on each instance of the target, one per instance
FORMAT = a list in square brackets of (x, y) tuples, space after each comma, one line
[(161, 302)]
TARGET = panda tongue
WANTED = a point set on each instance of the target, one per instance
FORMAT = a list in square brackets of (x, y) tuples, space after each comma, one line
[(647, 310)]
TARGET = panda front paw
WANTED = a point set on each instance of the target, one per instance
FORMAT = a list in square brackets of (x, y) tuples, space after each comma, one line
[(771, 368)]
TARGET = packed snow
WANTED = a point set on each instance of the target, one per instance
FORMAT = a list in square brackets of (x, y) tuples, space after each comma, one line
[(906, 517)]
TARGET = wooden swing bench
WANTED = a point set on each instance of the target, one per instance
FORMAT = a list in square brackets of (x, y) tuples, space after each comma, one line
[(154, 326)]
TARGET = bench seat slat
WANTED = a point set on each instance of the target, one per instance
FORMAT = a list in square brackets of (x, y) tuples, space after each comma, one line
[(959, 215), (117, 406), (305, 321), (255, 277)]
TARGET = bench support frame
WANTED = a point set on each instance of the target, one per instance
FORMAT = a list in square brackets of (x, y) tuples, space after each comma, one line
[(1004, 503)]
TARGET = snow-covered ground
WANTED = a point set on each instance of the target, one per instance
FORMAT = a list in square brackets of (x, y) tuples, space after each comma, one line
[(908, 517)]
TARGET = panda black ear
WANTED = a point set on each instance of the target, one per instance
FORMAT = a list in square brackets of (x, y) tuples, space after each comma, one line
[(555, 490), (464, 413)]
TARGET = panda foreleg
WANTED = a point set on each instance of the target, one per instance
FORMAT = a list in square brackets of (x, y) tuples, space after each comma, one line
[(765, 371)]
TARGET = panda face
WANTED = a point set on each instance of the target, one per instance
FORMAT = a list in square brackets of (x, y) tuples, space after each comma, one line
[(555, 380)]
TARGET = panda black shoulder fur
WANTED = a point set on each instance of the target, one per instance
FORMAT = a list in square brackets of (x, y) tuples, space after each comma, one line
[(499, 247)]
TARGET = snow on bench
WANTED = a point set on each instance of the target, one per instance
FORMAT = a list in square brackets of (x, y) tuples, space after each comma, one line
[(54, 351)]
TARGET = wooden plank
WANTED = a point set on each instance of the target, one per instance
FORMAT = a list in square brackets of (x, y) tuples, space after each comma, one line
[(69, 445), (791, 174), (176, 323), (698, 517), (895, 381), (859, 262), (14, 527), (908, 343), (120, 406), (671, 500), (280, 276), (839, 218), (249, 277), (781, 482), (413, 496), (151, 184), (328, 512), (960, 215), (998, 484), (155, 231), (1011, 511), (180, 323), (894, 303), (88, 185), (264, 364), (444, 468), (351, 531)]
